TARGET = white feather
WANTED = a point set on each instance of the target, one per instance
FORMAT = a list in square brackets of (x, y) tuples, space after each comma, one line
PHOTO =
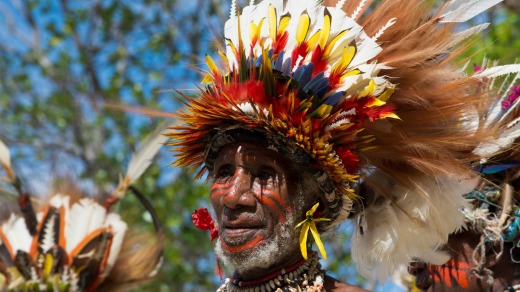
[(48, 233), (498, 71), (17, 233), (505, 139), (233, 9), (383, 29), (5, 155), (391, 238), (356, 12), (119, 228), (5, 161), (464, 10), (142, 159), (468, 33), (86, 216), (340, 4)]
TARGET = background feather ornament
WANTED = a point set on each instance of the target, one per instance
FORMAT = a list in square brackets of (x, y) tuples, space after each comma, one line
[(79, 244), (392, 109)]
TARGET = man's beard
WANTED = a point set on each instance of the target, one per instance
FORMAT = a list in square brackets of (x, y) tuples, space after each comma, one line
[(271, 251)]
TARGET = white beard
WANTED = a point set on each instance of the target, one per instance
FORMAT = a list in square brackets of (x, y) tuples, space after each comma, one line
[(269, 252)]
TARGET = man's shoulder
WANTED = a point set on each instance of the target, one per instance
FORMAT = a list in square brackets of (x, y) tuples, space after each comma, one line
[(332, 284)]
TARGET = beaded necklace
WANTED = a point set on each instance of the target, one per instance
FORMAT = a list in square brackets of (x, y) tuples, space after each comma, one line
[(305, 276)]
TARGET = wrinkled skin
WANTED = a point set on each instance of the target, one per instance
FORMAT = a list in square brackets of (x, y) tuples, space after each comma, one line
[(456, 274), (257, 203)]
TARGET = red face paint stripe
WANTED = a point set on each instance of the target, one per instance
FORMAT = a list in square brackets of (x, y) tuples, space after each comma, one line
[(250, 244), (275, 205), (217, 192)]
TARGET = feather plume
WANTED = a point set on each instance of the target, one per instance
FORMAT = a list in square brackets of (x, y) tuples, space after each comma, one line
[(464, 10), (340, 4), (5, 161), (401, 224), (141, 160), (17, 233), (119, 228), (498, 71), (359, 9), (383, 29), (233, 9), (469, 32), (5, 156)]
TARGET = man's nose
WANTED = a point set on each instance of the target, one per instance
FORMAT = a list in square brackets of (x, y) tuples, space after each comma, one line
[(241, 191)]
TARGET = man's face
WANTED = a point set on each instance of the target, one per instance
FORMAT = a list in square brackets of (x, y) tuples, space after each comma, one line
[(257, 204)]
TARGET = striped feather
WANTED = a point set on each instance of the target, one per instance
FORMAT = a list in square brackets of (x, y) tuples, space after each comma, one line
[(464, 10), (498, 71)]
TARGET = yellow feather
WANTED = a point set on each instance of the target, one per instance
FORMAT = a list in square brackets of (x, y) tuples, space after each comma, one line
[(348, 54), (311, 43), (377, 103), (325, 31), (284, 22), (329, 47), (224, 58), (350, 73), (322, 111), (47, 265), (390, 116), (387, 93), (303, 27), (211, 65), (369, 90), (208, 79), (232, 46), (271, 14), (252, 30)]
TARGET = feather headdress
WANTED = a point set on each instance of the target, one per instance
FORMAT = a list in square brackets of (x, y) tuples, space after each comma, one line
[(73, 243), (362, 92)]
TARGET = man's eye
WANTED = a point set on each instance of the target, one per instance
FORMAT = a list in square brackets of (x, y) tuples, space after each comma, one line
[(266, 174), (225, 171)]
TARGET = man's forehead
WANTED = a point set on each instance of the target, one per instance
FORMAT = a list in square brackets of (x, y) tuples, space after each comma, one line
[(250, 152)]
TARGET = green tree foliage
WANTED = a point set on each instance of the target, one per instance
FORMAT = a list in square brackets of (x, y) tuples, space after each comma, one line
[(63, 61)]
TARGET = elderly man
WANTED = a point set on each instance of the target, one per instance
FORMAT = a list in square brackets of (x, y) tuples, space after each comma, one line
[(302, 106)]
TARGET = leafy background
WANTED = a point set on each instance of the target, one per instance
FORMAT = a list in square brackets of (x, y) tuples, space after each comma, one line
[(63, 61)]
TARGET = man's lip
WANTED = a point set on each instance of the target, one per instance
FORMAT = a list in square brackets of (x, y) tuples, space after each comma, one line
[(242, 226), (237, 230)]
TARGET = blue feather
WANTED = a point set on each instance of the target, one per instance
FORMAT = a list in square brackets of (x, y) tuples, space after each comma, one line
[(495, 168), (313, 81), (286, 68), (320, 88), (303, 74), (335, 98), (279, 62), (259, 61)]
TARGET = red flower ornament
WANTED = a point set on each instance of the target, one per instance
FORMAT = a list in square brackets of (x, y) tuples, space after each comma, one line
[(203, 221)]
